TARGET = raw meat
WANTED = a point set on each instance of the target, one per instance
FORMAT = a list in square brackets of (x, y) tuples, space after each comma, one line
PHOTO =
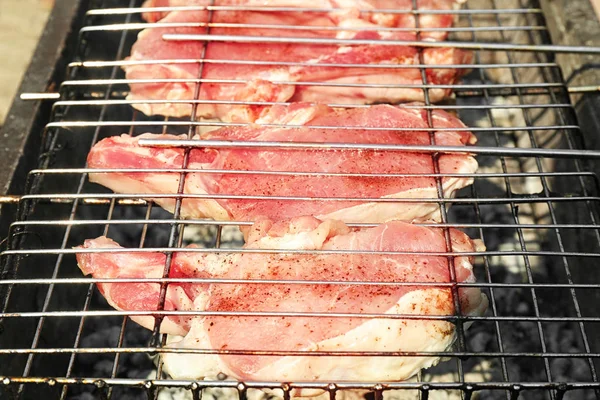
[(352, 7), (125, 152), (139, 296), (245, 75), (387, 332)]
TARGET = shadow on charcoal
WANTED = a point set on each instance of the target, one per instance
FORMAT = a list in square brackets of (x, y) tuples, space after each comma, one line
[(105, 332), (496, 214)]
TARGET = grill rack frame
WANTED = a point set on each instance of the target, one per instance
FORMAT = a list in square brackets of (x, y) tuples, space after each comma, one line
[(512, 388)]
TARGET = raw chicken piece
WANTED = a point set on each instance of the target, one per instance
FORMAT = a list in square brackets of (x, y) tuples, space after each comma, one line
[(125, 152), (310, 333), (353, 11), (139, 296), (263, 82)]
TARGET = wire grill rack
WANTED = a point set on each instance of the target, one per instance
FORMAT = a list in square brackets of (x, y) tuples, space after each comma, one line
[(534, 203)]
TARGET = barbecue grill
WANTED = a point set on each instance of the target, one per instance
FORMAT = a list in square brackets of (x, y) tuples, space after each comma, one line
[(534, 203)]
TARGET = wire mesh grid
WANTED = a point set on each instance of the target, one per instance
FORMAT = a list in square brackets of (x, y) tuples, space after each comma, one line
[(533, 203)]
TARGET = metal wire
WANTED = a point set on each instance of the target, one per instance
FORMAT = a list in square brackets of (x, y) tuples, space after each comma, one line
[(517, 195), (132, 26), (408, 10), (357, 42)]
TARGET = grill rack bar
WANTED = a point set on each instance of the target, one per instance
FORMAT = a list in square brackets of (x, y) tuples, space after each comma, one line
[(386, 42), (173, 249), (326, 386), (201, 222), (63, 103), (162, 25), (506, 151), (77, 281), (95, 197), (120, 63), (81, 124), (316, 353), (482, 175), (99, 82), (414, 11), (270, 314)]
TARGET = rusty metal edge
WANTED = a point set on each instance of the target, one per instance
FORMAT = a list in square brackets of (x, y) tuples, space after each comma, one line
[(24, 121), (21, 135)]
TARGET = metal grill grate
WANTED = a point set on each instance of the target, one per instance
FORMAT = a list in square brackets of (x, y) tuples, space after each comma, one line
[(534, 203)]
